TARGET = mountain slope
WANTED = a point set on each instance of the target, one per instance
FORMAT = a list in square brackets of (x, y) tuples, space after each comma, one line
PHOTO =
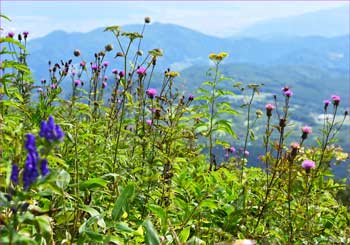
[(184, 47)]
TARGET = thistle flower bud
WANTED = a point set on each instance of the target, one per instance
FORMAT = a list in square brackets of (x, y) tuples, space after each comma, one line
[(19, 37), (11, 34), (295, 148), (147, 20), (109, 47), (76, 53), (25, 34), (119, 54), (269, 108), (139, 52), (259, 113)]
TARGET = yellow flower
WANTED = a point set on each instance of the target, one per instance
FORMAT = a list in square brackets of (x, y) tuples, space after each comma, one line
[(172, 74), (218, 57)]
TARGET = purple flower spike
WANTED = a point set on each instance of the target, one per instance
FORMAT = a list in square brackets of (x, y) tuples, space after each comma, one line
[(44, 168), (50, 131), (30, 172), (14, 174)]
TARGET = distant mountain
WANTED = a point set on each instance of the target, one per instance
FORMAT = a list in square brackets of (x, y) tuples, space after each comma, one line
[(329, 23), (184, 47)]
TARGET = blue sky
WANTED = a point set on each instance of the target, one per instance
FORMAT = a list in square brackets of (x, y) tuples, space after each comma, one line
[(210, 17)]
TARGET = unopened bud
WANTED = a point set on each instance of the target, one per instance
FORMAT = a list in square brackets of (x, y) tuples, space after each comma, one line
[(120, 54), (147, 20), (139, 52), (109, 47), (77, 53)]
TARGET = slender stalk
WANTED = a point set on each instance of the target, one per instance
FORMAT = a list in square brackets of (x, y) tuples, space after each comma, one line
[(327, 139), (247, 134), (212, 108)]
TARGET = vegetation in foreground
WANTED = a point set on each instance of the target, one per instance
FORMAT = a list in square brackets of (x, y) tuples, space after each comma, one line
[(138, 165)]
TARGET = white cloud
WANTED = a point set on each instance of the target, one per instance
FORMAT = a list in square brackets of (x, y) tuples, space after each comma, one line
[(215, 18)]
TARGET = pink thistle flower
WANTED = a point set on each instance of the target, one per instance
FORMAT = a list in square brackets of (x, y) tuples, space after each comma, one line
[(115, 71), (226, 155), (335, 100), (151, 92), (105, 78), (104, 84), (141, 71), (231, 149), (10, 34), (306, 130), (106, 63), (149, 122), (82, 64), (25, 34), (77, 82), (94, 67), (121, 74), (191, 97), (308, 164), (269, 107), (288, 93)]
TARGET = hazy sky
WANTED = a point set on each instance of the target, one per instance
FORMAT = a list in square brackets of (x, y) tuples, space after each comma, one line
[(210, 17)]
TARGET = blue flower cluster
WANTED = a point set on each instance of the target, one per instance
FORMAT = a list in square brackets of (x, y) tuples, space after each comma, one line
[(30, 173), (50, 131)]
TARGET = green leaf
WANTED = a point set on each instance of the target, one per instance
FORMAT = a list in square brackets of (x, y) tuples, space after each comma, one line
[(195, 240), (122, 226), (93, 183), (151, 236), (184, 234), (122, 201), (62, 179)]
